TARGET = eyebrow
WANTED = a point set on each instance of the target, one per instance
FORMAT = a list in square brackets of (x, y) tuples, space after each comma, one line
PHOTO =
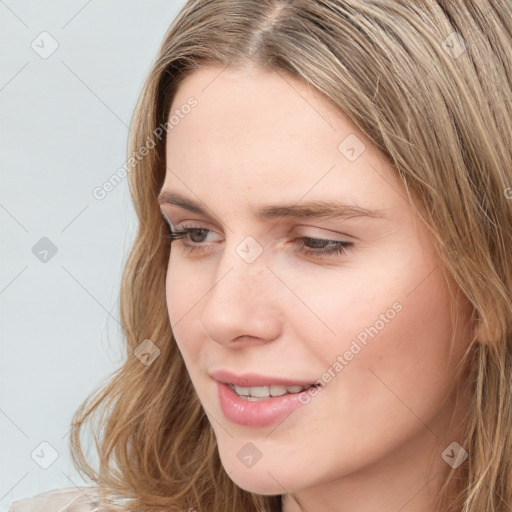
[(313, 209)]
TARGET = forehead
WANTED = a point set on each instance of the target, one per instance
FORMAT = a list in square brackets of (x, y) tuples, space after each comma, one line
[(250, 106), (254, 130)]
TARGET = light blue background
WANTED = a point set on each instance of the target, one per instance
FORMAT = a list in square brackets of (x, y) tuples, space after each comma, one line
[(63, 131)]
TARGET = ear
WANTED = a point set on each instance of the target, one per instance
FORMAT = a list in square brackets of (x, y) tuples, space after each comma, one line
[(479, 332), (484, 334)]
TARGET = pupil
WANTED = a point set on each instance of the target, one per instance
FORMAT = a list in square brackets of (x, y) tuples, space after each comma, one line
[(194, 232), (318, 243)]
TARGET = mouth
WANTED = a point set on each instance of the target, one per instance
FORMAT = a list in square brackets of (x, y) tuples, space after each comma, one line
[(256, 393), (262, 405)]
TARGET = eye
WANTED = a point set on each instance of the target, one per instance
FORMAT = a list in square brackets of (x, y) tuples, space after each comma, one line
[(194, 239), (192, 233), (327, 248)]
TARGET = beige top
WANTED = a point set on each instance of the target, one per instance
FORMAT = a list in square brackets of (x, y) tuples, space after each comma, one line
[(69, 499)]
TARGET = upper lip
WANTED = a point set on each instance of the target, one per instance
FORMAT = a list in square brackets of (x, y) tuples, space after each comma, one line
[(254, 379)]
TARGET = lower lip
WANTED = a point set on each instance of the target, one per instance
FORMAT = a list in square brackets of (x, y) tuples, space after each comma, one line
[(257, 413)]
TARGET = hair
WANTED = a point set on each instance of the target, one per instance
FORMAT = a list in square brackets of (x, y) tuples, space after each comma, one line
[(440, 114)]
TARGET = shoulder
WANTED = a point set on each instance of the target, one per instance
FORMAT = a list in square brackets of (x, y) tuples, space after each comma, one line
[(68, 499)]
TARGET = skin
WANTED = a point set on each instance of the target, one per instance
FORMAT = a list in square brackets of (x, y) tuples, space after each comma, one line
[(364, 442)]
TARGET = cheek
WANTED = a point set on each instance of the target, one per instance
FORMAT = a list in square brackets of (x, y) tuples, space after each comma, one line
[(390, 316), (395, 351), (414, 351), (183, 295)]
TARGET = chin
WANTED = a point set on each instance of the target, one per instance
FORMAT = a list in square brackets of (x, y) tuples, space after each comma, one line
[(266, 480), (262, 484)]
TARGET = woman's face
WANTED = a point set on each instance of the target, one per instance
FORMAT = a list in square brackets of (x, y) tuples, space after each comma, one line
[(254, 290)]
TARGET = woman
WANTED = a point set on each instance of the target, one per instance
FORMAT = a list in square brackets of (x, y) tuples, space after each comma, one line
[(317, 306)]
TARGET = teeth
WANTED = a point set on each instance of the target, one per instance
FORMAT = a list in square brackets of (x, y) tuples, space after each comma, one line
[(278, 390), (294, 389), (262, 392)]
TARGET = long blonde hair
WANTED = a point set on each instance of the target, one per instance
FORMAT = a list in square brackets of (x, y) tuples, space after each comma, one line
[(429, 83)]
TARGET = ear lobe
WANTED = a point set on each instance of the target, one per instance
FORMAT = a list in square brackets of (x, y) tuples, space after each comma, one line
[(485, 334), (479, 332)]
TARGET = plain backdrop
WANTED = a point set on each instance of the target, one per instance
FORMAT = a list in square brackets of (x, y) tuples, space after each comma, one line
[(70, 74)]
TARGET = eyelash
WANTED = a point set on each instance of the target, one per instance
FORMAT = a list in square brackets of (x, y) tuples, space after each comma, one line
[(340, 248)]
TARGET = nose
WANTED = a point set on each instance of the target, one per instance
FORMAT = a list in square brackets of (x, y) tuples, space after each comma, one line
[(241, 306)]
